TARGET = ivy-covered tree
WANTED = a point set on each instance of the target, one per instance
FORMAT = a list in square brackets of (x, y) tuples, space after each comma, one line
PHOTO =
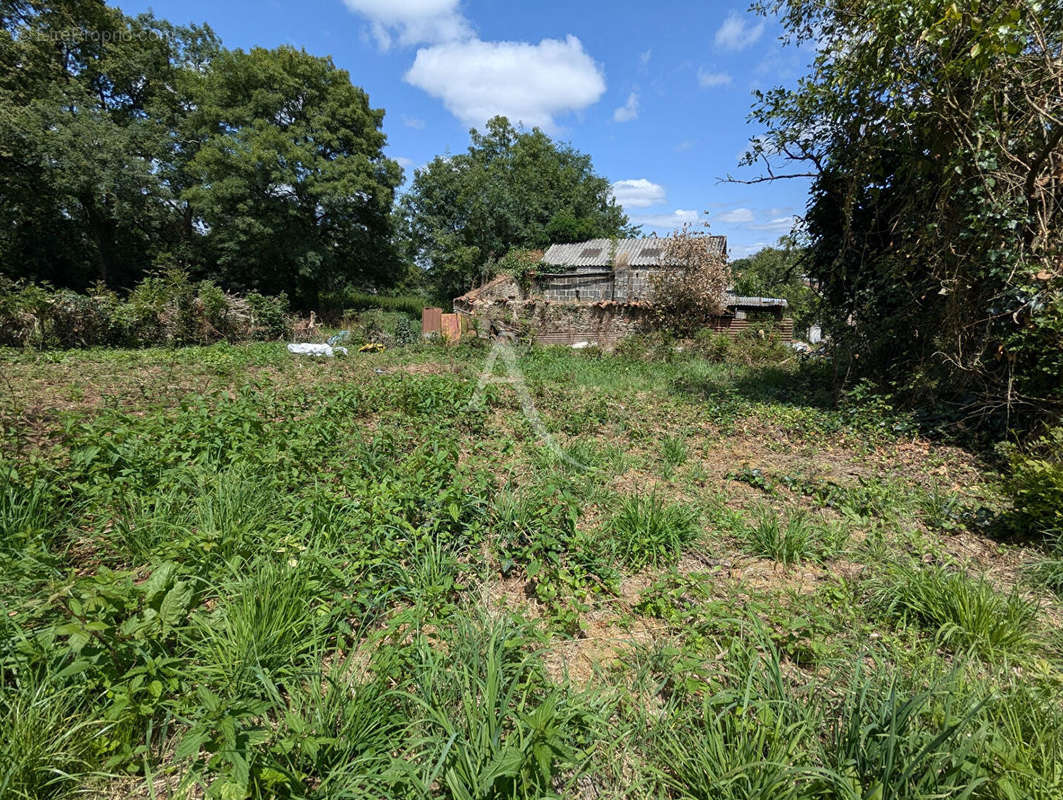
[(511, 189), (932, 132)]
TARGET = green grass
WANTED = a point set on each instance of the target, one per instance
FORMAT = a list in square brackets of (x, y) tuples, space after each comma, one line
[(646, 531), (962, 612), (788, 542), (240, 574)]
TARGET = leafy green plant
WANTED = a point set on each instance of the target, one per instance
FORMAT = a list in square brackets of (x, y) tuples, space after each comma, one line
[(1036, 485)]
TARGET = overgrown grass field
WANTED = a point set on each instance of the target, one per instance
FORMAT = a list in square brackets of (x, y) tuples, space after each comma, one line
[(232, 573)]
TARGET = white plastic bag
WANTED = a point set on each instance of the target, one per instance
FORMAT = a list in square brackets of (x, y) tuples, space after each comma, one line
[(310, 349)]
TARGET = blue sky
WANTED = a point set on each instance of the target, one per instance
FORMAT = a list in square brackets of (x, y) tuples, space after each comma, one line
[(658, 94)]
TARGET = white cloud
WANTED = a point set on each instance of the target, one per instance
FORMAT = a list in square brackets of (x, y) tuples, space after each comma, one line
[(776, 225), (638, 193), (403, 162), (413, 122), (736, 33), (669, 221), (708, 79), (743, 250), (628, 111), (412, 21), (529, 83), (645, 56), (686, 144), (736, 216)]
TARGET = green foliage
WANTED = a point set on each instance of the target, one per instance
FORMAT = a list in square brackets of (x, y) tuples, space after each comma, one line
[(492, 729), (961, 612), (887, 743), (955, 302), (1036, 485), (758, 344), (165, 308), (646, 531), (45, 740), (747, 741), (244, 575), (788, 542), (351, 301), (777, 272), (511, 189), (145, 145)]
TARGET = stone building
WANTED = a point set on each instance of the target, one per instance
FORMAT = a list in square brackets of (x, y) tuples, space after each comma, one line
[(599, 291)]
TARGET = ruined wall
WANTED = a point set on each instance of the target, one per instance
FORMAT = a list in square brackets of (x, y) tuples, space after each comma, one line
[(550, 312)]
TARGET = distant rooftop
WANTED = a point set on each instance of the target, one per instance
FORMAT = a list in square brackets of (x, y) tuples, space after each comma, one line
[(608, 252)]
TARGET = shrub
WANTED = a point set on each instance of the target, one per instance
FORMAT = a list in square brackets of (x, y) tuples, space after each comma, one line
[(405, 334), (1036, 485), (353, 301), (164, 308), (693, 289), (650, 346)]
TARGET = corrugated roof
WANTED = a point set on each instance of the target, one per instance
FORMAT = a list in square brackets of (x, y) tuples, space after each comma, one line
[(755, 302), (607, 252)]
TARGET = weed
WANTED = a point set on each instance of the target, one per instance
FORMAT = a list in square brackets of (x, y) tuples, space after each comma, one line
[(648, 532), (673, 451), (45, 740), (962, 613), (788, 542)]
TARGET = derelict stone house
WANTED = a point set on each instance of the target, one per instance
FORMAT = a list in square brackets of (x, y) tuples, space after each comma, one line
[(598, 292), (607, 269)]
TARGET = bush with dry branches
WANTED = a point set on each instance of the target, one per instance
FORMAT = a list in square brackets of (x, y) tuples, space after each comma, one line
[(690, 290)]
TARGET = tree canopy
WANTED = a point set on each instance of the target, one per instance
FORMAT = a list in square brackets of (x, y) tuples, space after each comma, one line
[(511, 189), (932, 131), (127, 143)]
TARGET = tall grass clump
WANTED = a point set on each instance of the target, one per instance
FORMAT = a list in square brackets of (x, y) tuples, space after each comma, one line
[(489, 725), (962, 612), (646, 531), (45, 742), (886, 742), (750, 739), (674, 451), (262, 630), (788, 542)]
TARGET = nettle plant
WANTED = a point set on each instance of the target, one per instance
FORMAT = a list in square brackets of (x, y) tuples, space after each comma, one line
[(692, 290)]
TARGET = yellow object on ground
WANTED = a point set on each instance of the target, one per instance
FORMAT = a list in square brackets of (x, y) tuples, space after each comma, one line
[(372, 347)]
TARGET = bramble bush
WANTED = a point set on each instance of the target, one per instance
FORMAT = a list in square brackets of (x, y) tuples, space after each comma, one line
[(165, 308)]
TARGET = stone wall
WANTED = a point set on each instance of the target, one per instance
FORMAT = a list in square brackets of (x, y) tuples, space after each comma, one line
[(549, 311)]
